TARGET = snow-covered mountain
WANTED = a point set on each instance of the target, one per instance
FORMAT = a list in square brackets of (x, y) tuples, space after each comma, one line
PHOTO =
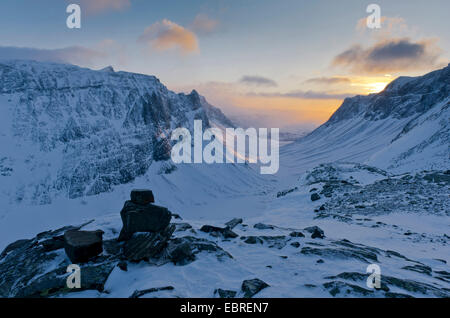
[(405, 127), (76, 141), (74, 132)]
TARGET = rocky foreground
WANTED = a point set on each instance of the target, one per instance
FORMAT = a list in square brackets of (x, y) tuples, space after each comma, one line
[(152, 252)]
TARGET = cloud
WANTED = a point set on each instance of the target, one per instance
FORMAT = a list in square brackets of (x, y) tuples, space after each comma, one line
[(389, 56), (299, 94), (258, 81), (72, 55), (203, 25), (100, 6), (388, 24), (328, 80), (167, 35)]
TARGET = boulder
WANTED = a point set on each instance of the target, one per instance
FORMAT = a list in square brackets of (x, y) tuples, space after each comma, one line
[(296, 234), (123, 266), (53, 244), (80, 246), (262, 226), (142, 196), (143, 218), (233, 223), (252, 240), (180, 253), (143, 246), (316, 232), (181, 227), (218, 231), (315, 197), (252, 287), (222, 293)]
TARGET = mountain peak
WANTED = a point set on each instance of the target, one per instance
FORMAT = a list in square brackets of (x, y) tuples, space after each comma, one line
[(108, 69)]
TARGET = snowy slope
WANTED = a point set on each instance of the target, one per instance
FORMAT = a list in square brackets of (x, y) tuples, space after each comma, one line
[(403, 128)]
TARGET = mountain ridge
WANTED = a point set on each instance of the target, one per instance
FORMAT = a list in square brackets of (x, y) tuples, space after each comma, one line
[(80, 132), (368, 129)]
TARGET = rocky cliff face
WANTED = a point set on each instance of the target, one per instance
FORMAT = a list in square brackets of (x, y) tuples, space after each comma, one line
[(74, 131)]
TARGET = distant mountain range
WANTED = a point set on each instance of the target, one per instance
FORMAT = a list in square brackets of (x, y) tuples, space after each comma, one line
[(403, 128), (73, 132)]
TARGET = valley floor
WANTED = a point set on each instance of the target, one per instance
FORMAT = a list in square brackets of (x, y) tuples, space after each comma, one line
[(367, 216)]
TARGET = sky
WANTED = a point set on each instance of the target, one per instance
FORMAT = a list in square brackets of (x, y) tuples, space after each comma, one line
[(265, 63)]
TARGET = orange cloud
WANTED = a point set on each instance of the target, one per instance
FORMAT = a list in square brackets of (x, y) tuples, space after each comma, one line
[(388, 23), (202, 24), (167, 35)]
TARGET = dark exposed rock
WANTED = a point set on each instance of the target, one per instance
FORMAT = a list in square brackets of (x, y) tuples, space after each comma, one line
[(50, 234), (233, 223), (338, 288), (53, 244), (180, 253), (198, 245), (180, 227), (225, 293), (261, 226), (252, 239), (13, 246), (286, 192), (419, 268), (316, 232), (295, 244), (252, 287), (138, 218), (23, 268), (405, 284), (142, 196), (112, 247), (123, 266), (80, 246), (143, 246), (140, 293), (218, 231), (93, 277), (341, 253), (315, 197), (273, 241), (176, 216), (296, 234)]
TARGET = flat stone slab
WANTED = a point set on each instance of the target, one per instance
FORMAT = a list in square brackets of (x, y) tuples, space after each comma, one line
[(80, 246)]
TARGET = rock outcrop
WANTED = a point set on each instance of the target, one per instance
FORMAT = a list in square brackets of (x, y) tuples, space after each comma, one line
[(143, 218), (80, 246)]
